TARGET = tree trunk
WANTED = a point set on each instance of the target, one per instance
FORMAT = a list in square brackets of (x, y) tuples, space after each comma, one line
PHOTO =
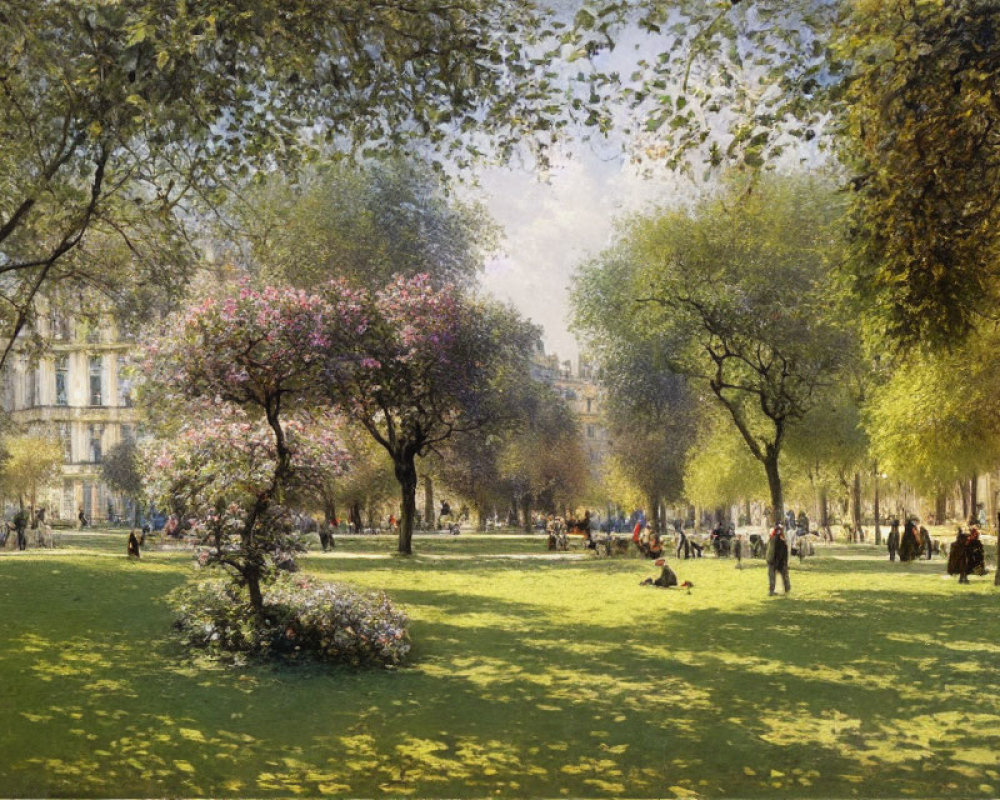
[(749, 513), (878, 529), (856, 502), (974, 495), (654, 507), (526, 511), (774, 485), (480, 518), (824, 510), (964, 490), (406, 474), (428, 503), (251, 574), (940, 507)]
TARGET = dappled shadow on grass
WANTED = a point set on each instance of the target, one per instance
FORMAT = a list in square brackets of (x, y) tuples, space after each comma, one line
[(533, 680)]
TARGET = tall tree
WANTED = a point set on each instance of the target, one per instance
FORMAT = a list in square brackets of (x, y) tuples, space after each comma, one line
[(736, 295), (652, 416), (415, 365), (543, 462), (240, 370)]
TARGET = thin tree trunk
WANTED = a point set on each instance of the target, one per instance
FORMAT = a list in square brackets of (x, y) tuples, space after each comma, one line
[(974, 495), (428, 503), (856, 501), (654, 507), (406, 474), (774, 485), (941, 507), (824, 510), (878, 529), (526, 511)]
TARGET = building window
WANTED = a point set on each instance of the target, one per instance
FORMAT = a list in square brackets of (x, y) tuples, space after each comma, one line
[(96, 432), (124, 384), (591, 432), (128, 433), (59, 325), (31, 386), (96, 380), (589, 401), (66, 440), (62, 381)]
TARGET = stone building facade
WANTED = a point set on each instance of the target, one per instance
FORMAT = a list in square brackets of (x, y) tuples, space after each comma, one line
[(77, 391), (583, 394)]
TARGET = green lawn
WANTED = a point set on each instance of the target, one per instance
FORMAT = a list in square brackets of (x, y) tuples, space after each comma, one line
[(530, 677)]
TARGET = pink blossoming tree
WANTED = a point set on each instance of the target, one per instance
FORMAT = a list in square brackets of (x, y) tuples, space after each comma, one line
[(240, 371), (414, 365)]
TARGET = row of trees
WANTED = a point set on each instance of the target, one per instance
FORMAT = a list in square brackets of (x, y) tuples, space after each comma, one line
[(742, 342)]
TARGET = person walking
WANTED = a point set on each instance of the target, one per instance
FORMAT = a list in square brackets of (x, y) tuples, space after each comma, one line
[(777, 560), (20, 526)]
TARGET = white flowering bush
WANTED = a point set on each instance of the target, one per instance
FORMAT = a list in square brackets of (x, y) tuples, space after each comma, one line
[(303, 619)]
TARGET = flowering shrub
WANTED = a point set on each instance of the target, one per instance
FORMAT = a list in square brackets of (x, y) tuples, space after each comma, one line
[(304, 619)]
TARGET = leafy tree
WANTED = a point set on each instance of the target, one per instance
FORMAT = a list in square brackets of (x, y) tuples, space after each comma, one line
[(368, 483), (735, 295), (922, 137), (125, 119), (719, 470), (543, 462), (120, 470), (935, 423), (415, 365), (652, 416), (471, 466), (241, 369), (31, 462), (364, 223)]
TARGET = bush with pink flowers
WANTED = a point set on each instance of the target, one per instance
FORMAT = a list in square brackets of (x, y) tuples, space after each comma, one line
[(304, 619)]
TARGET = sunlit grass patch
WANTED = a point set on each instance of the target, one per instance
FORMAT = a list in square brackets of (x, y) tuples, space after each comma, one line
[(529, 677)]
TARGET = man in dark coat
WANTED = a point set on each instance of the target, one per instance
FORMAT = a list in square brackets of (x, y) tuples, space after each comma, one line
[(20, 525), (958, 557), (777, 560), (926, 542), (892, 542), (909, 548)]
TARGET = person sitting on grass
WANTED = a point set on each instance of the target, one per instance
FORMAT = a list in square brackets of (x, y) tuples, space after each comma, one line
[(667, 576)]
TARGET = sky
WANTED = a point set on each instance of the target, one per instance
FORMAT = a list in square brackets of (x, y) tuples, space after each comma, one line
[(552, 225)]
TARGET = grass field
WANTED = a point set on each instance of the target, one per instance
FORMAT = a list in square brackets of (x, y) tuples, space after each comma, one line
[(530, 677)]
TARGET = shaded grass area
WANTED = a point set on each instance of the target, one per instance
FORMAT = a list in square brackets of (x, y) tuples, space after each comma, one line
[(529, 678)]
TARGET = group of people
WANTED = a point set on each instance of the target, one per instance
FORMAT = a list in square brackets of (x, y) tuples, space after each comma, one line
[(15, 532), (914, 541)]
